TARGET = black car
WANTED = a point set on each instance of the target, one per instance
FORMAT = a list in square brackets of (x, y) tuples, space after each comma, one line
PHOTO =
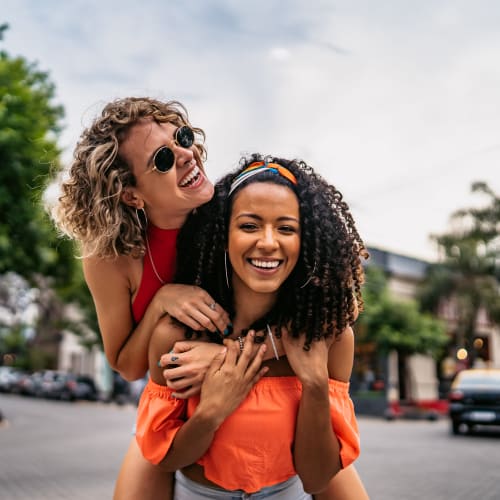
[(475, 399), (69, 387)]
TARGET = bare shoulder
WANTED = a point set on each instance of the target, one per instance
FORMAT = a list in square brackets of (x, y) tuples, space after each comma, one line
[(341, 356), (122, 273), (98, 270)]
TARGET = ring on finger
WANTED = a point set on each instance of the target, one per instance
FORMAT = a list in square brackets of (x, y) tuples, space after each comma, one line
[(212, 306)]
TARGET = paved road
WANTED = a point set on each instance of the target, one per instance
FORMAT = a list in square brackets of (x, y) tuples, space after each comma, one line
[(52, 450), (421, 460)]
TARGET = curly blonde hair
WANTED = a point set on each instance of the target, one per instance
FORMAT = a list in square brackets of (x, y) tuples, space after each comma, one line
[(89, 209)]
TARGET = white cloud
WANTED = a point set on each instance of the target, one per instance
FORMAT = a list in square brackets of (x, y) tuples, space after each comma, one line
[(279, 54)]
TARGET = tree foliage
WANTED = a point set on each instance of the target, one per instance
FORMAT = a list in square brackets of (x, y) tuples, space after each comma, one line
[(30, 124), (469, 271), (29, 128), (397, 325)]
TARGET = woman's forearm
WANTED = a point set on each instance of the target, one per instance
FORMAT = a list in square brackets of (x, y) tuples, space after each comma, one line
[(316, 449), (191, 441)]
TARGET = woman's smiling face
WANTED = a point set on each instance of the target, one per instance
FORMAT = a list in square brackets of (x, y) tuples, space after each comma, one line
[(264, 237), (167, 197)]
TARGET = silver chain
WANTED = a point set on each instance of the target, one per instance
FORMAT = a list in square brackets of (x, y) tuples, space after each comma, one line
[(271, 338), (151, 260)]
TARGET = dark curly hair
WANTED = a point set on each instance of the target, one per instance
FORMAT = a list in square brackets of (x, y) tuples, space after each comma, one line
[(329, 264)]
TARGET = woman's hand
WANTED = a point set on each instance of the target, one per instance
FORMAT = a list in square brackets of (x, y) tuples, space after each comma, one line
[(193, 359), (192, 306), (309, 366), (230, 378)]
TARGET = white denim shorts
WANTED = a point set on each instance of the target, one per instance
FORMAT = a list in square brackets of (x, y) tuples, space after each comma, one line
[(185, 489)]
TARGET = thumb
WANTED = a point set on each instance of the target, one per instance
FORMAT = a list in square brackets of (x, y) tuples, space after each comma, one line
[(218, 360)]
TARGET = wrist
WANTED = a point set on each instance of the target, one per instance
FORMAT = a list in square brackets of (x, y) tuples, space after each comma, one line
[(160, 298), (207, 417), (316, 387)]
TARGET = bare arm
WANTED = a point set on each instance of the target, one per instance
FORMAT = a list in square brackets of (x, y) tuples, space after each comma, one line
[(126, 344), (226, 384), (317, 449), (109, 284)]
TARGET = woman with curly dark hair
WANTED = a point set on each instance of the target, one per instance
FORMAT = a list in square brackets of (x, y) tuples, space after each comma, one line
[(278, 249)]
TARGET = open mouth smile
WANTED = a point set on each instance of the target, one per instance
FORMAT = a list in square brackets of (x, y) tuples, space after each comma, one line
[(265, 264), (191, 179)]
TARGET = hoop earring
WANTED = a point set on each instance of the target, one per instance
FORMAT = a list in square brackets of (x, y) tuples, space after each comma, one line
[(139, 218), (225, 269), (311, 276)]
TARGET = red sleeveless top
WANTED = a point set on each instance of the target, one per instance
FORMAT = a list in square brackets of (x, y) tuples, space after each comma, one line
[(162, 251)]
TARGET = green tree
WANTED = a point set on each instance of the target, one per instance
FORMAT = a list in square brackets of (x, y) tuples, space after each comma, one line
[(468, 274), (29, 128), (30, 124), (397, 325)]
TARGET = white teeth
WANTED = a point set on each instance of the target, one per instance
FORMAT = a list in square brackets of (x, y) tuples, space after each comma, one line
[(190, 177), (266, 264)]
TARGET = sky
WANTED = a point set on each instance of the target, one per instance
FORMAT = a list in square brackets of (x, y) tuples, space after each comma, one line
[(396, 102)]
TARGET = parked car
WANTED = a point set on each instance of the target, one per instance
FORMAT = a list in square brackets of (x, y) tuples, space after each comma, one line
[(120, 393), (7, 378), (30, 384), (77, 387), (19, 381), (475, 399), (136, 388), (10, 378), (70, 387), (49, 383)]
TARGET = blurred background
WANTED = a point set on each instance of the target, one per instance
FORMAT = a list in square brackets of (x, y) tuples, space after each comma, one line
[(396, 103)]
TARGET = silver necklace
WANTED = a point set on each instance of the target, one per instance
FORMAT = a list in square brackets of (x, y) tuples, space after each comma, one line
[(271, 338), (151, 260)]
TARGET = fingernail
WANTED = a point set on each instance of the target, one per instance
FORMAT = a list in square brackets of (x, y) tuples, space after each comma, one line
[(228, 330), (174, 358)]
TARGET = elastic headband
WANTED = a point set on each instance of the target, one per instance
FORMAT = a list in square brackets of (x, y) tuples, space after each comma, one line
[(258, 167)]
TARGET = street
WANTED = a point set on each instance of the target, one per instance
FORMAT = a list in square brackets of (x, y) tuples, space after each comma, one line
[(55, 450)]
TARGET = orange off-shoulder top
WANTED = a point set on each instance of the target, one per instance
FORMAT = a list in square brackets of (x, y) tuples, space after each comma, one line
[(253, 447)]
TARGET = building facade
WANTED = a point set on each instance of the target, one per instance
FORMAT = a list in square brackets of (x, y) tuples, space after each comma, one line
[(418, 378)]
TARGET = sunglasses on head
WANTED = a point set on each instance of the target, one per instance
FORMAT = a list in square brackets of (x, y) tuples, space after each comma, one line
[(164, 158)]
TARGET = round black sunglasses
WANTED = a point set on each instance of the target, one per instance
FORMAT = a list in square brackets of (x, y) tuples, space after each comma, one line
[(164, 158)]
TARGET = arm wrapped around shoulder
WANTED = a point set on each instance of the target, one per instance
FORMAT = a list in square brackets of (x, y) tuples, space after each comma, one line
[(159, 417), (344, 421)]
